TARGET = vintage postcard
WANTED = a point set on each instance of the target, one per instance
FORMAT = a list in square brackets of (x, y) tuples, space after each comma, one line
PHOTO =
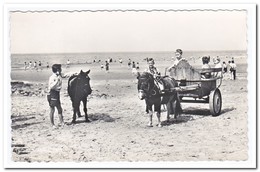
[(130, 86)]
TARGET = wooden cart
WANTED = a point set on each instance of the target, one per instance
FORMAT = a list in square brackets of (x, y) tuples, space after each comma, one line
[(198, 85)]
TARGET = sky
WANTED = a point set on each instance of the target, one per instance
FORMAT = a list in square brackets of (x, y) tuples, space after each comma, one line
[(130, 31)]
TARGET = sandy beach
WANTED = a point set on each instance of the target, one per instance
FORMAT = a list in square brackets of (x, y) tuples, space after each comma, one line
[(117, 131)]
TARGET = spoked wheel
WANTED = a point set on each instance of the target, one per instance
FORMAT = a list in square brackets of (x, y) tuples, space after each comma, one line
[(215, 102)]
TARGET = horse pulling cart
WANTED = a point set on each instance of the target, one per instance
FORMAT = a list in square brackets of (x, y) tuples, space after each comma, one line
[(198, 85)]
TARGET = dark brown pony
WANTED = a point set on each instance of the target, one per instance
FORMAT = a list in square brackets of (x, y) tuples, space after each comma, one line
[(149, 91), (78, 90)]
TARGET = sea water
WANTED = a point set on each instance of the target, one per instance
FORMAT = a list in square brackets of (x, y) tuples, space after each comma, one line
[(18, 60)]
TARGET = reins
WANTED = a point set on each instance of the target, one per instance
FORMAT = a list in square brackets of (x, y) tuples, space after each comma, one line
[(151, 91)]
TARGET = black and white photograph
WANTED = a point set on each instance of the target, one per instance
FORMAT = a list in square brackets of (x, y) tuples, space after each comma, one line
[(138, 86)]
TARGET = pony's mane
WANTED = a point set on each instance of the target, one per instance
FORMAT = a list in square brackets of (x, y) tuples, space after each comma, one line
[(146, 75), (72, 77), (77, 75)]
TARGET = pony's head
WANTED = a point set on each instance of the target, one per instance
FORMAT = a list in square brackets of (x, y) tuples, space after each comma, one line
[(145, 85), (83, 81)]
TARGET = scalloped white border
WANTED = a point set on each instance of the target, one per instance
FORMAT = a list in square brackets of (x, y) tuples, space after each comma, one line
[(251, 50)]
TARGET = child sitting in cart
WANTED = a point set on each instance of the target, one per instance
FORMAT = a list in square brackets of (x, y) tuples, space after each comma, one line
[(205, 61), (179, 58), (156, 74), (217, 65)]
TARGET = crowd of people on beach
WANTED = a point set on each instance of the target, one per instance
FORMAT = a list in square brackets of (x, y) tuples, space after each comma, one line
[(131, 64), (35, 66), (228, 69)]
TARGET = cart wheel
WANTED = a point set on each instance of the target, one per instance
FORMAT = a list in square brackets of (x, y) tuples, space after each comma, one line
[(215, 102)]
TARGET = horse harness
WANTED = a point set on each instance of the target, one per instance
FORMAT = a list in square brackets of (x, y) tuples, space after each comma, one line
[(150, 91)]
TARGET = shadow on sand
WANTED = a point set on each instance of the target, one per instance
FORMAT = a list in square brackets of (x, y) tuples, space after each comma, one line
[(95, 117), (101, 117), (22, 118), (19, 126), (19, 118), (188, 115), (200, 112), (227, 110), (178, 120)]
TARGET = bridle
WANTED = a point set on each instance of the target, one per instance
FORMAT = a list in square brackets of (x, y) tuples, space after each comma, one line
[(150, 91)]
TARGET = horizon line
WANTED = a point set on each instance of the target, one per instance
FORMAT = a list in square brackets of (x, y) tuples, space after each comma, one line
[(121, 52)]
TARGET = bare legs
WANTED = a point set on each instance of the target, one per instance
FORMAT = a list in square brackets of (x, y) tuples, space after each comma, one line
[(52, 110), (51, 116)]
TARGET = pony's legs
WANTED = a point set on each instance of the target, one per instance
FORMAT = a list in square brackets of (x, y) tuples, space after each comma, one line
[(169, 110), (146, 109), (159, 119), (75, 111), (74, 115), (78, 112), (150, 124), (149, 111), (177, 106), (85, 109)]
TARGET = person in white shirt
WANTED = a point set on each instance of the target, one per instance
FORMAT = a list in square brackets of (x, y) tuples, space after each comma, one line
[(30, 65), (218, 65), (229, 70), (53, 97), (224, 67), (68, 63), (25, 66), (35, 66), (178, 55), (233, 68), (156, 74)]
